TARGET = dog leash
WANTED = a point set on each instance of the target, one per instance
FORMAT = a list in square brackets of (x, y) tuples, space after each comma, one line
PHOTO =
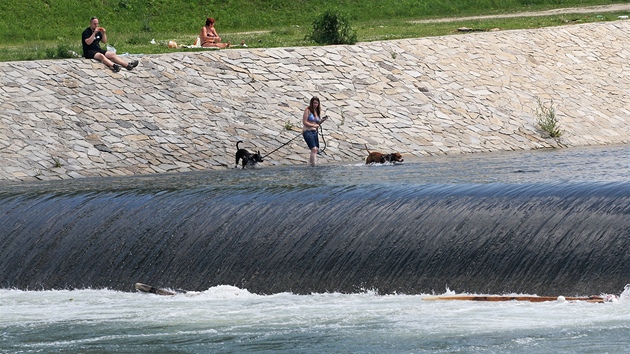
[(321, 132), (283, 145)]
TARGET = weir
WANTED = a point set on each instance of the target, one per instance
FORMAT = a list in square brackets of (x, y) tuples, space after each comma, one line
[(534, 238)]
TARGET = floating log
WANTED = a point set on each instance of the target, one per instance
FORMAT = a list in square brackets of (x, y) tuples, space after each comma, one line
[(530, 298), (153, 290)]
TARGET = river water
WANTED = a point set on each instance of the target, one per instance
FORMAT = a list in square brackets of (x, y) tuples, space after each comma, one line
[(226, 319), (276, 288)]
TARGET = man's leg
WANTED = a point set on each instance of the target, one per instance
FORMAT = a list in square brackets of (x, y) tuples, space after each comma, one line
[(103, 59), (115, 58)]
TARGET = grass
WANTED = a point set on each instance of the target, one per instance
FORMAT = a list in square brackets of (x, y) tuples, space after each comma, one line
[(57, 162), (288, 125), (45, 29)]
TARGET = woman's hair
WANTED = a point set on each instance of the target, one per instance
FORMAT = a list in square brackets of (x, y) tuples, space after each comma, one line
[(209, 21), (315, 110)]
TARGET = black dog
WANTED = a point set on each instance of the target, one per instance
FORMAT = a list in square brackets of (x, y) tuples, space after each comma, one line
[(247, 158)]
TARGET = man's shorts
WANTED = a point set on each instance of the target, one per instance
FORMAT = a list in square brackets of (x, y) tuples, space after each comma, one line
[(91, 53)]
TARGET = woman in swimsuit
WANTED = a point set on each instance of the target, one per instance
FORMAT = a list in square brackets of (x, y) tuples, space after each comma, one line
[(311, 119), (209, 36)]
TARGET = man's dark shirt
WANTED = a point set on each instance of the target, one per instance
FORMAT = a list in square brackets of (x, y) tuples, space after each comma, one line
[(90, 50)]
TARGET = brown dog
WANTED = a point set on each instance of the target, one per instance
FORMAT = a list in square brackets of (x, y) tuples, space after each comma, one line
[(377, 157)]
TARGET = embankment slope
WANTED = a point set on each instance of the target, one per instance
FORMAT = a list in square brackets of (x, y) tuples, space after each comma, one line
[(475, 92)]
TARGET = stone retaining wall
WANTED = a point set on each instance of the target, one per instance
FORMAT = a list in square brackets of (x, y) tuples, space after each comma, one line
[(180, 112)]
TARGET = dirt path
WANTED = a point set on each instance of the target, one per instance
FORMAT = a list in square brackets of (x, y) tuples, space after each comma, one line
[(571, 10)]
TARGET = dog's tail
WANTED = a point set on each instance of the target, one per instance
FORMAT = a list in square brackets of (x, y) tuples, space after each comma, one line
[(366, 148), (238, 142)]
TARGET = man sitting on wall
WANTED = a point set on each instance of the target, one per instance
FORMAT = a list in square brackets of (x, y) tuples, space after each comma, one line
[(91, 38)]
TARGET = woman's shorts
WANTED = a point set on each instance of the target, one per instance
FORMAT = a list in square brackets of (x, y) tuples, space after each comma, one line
[(91, 53), (311, 138)]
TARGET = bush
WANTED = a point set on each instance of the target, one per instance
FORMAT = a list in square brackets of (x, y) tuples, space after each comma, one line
[(61, 51), (546, 119), (332, 28)]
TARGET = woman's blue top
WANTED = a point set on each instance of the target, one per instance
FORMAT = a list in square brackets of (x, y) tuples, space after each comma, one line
[(312, 118)]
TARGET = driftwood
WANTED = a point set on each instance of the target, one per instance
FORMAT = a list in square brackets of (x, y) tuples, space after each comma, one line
[(153, 290), (491, 298), (530, 298)]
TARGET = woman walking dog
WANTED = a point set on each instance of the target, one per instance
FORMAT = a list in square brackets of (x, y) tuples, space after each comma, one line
[(311, 120)]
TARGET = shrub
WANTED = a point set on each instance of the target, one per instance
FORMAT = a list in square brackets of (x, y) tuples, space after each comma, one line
[(57, 162), (546, 119), (61, 51), (332, 28)]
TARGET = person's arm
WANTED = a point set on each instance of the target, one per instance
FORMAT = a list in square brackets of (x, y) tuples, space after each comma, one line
[(104, 36), (213, 33), (88, 40)]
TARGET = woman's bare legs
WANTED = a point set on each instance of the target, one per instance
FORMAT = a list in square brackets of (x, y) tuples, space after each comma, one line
[(313, 158)]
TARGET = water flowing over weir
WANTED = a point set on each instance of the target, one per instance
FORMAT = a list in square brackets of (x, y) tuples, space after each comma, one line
[(269, 231)]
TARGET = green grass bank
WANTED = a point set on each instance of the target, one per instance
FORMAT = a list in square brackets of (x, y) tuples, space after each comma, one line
[(50, 29)]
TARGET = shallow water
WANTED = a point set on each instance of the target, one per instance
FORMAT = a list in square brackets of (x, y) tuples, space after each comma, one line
[(573, 165)]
